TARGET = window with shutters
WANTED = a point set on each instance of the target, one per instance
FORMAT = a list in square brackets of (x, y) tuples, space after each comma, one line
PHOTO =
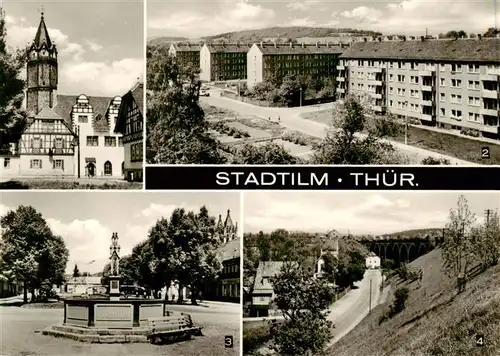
[(58, 164), (36, 164)]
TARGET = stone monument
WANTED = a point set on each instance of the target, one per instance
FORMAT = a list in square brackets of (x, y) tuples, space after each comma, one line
[(114, 278)]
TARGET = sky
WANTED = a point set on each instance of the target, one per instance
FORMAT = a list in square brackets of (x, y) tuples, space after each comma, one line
[(100, 44), (86, 220), (197, 18), (356, 212)]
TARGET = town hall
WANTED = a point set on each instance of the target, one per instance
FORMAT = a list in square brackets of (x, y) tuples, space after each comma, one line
[(66, 135)]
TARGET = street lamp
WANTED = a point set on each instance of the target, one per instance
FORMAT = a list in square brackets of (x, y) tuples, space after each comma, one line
[(76, 143), (300, 89)]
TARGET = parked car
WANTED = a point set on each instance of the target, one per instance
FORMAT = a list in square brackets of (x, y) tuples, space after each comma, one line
[(204, 92)]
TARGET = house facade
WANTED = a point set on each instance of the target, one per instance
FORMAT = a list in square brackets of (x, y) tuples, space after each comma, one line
[(186, 54), (263, 291), (223, 62), (66, 135), (266, 60), (130, 124), (372, 261), (448, 83)]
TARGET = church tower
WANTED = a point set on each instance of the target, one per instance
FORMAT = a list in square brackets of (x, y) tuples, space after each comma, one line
[(41, 72)]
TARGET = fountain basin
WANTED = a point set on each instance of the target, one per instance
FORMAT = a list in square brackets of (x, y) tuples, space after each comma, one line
[(108, 321), (112, 314)]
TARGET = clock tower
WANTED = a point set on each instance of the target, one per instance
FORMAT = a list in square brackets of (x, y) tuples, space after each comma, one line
[(41, 72)]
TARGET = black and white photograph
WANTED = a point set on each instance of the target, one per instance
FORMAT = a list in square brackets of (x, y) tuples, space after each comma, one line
[(120, 273), (323, 82), (71, 94), (371, 273)]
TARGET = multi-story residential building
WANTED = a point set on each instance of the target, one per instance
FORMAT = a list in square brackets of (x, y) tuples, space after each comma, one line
[(186, 54), (448, 83), (263, 291), (266, 59), (223, 61), (130, 123)]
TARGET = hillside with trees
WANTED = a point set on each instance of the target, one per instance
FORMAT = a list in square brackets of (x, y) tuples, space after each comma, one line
[(285, 34)]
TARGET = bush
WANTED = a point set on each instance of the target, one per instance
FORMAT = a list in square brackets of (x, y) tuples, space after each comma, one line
[(401, 296), (435, 161), (254, 338)]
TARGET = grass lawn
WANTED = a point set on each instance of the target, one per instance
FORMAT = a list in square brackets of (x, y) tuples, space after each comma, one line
[(67, 184), (450, 145)]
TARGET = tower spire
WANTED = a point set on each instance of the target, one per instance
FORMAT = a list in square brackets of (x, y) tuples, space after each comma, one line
[(42, 34)]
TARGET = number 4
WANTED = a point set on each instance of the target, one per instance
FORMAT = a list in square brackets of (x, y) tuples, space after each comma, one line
[(485, 152), (479, 340)]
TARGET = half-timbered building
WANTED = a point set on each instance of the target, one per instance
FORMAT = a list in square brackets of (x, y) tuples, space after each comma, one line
[(47, 146), (66, 134), (130, 123)]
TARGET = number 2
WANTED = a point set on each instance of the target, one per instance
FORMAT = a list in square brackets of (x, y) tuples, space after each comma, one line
[(485, 152)]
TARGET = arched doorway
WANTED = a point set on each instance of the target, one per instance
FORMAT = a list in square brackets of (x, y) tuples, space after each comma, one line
[(108, 168)]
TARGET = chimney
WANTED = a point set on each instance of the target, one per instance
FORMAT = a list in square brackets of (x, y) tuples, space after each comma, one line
[(275, 44), (261, 44), (303, 45), (327, 44), (422, 38), (291, 44)]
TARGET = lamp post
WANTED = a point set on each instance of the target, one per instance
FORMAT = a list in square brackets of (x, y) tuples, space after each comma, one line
[(300, 90), (76, 143)]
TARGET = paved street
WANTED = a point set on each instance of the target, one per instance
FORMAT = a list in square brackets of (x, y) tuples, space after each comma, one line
[(290, 118), (355, 305), (23, 335)]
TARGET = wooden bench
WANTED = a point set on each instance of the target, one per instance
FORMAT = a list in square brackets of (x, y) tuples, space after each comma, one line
[(169, 328)]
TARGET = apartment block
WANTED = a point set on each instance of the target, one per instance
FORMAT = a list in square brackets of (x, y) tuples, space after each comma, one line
[(267, 59), (187, 54), (446, 83), (223, 61)]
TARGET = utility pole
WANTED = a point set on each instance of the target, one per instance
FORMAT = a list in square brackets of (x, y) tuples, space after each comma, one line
[(488, 213), (370, 296)]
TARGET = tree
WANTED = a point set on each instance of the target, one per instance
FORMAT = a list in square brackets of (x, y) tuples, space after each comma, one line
[(356, 136), (290, 90), (486, 241), (31, 253), (458, 247), (12, 115), (184, 250), (491, 32), (177, 132), (76, 271), (270, 153), (304, 302)]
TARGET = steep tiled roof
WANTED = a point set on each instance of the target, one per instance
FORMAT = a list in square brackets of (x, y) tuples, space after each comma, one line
[(265, 271), (100, 123), (42, 35), (138, 94), (48, 113), (229, 250), (228, 47), (187, 47), (466, 50), (65, 105), (269, 48)]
